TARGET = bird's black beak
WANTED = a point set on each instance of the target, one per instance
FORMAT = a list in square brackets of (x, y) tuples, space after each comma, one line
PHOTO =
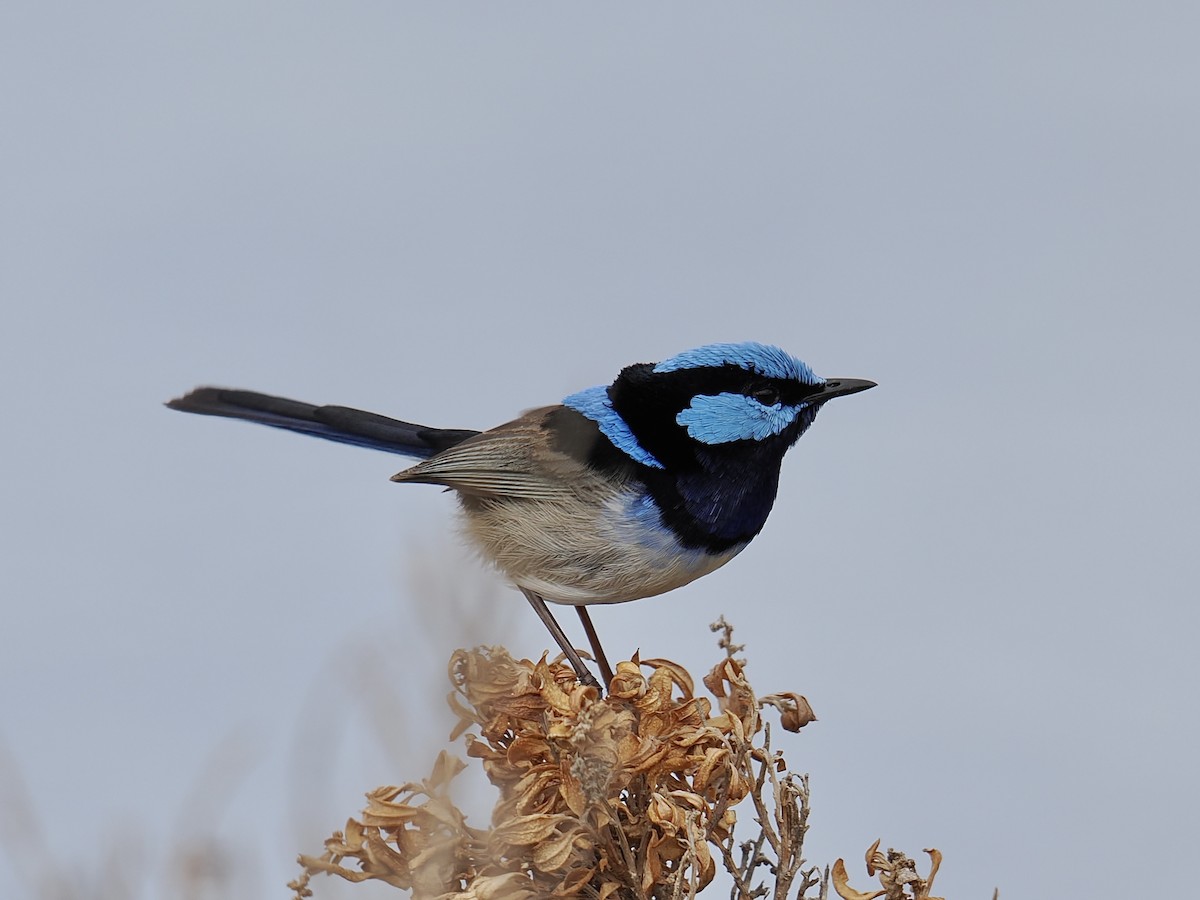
[(840, 387)]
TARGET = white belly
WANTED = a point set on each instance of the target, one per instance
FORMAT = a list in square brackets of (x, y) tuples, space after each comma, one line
[(609, 552)]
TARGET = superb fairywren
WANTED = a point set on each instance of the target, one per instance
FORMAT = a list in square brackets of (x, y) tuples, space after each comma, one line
[(619, 492)]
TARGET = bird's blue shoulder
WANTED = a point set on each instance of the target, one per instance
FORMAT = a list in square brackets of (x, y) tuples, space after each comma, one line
[(594, 404)]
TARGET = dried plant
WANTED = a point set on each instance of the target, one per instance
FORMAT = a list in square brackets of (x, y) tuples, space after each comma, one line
[(628, 796), (897, 874)]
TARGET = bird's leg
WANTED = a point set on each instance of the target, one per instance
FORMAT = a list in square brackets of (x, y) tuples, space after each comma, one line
[(606, 673), (581, 671)]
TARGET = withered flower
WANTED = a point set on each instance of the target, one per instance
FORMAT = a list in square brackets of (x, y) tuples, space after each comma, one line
[(631, 795), (897, 874)]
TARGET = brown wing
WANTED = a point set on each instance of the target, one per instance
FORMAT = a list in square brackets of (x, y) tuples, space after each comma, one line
[(511, 460)]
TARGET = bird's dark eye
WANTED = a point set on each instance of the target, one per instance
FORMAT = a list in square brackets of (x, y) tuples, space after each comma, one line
[(766, 395)]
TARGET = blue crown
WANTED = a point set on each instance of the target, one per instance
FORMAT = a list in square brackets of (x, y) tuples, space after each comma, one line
[(764, 359)]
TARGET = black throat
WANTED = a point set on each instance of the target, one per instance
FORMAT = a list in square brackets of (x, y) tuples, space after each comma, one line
[(723, 498)]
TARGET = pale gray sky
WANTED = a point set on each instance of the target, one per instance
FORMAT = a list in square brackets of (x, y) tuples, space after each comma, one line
[(983, 573)]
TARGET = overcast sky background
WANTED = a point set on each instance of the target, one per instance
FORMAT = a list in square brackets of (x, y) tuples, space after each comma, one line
[(983, 574)]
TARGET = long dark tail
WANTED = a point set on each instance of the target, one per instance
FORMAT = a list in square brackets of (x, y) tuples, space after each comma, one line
[(334, 423)]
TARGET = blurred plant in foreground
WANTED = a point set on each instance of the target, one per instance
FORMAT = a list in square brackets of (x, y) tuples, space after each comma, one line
[(631, 795)]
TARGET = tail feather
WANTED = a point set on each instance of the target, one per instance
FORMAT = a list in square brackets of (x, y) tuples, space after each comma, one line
[(334, 423)]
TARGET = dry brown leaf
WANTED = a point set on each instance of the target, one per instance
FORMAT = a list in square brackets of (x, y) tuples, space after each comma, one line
[(841, 884), (794, 709), (935, 863), (875, 860)]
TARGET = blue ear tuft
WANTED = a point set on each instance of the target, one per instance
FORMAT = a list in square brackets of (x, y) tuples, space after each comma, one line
[(595, 404), (724, 418), (752, 356)]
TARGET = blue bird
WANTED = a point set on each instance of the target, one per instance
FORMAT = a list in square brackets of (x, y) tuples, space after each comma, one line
[(620, 492)]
